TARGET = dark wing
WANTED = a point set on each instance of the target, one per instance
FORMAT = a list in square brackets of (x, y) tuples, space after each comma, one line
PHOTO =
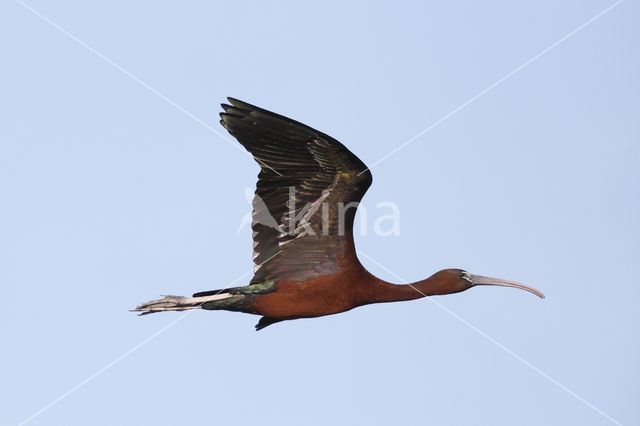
[(307, 193)]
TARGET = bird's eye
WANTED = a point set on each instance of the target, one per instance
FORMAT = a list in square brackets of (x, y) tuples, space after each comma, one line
[(466, 276)]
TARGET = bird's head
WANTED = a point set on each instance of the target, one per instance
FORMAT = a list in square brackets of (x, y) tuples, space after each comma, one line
[(458, 280)]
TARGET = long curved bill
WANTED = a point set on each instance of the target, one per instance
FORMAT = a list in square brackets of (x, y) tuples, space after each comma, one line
[(481, 280)]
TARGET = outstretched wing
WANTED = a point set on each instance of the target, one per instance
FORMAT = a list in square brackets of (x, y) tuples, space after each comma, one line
[(307, 193)]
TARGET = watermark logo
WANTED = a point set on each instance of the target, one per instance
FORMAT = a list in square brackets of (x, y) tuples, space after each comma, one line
[(322, 217)]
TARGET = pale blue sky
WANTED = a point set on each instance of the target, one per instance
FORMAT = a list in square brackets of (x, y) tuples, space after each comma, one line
[(112, 196)]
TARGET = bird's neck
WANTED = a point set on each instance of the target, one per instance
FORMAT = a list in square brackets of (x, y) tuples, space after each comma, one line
[(382, 291)]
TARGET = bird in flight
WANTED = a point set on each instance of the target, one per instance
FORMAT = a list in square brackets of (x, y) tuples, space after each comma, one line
[(306, 266)]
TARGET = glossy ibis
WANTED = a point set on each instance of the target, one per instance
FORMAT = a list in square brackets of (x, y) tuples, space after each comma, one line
[(303, 212)]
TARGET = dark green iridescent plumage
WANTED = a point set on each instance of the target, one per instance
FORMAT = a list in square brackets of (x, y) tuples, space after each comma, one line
[(242, 296), (259, 288)]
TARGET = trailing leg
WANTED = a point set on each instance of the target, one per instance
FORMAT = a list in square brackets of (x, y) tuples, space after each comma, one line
[(178, 303)]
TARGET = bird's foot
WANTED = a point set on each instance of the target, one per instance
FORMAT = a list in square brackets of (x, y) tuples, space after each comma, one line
[(177, 303)]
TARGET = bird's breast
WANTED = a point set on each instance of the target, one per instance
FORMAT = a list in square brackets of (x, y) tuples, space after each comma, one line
[(324, 295)]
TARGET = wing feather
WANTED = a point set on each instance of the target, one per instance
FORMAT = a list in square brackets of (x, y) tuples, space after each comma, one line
[(305, 177)]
